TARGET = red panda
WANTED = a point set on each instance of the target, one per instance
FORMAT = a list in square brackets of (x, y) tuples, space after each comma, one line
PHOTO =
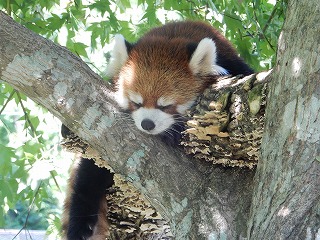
[(160, 76), (157, 79)]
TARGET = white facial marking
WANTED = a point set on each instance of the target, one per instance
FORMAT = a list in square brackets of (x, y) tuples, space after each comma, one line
[(162, 101), (121, 99), (182, 108), (135, 97), (161, 119), (204, 59)]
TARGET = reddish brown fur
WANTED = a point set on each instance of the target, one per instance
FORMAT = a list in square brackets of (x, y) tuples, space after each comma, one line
[(194, 31), (158, 64), (67, 200), (154, 80), (101, 229)]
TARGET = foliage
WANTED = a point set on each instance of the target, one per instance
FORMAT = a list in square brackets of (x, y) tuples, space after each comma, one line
[(27, 175), (253, 26), (36, 219), (86, 28)]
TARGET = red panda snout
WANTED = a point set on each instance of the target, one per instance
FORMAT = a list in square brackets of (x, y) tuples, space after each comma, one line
[(152, 121), (155, 115), (147, 124)]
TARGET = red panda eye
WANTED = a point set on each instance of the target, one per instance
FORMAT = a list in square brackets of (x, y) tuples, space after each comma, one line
[(163, 108), (136, 105)]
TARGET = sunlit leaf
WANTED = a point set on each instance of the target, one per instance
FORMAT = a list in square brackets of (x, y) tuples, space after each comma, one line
[(80, 49), (6, 154)]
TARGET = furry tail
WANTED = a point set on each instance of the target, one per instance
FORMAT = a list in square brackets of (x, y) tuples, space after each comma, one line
[(84, 215)]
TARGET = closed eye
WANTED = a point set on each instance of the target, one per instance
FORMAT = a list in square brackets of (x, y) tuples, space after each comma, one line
[(136, 105), (164, 108)]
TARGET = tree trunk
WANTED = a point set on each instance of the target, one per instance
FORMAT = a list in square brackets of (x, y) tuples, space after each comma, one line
[(286, 199)]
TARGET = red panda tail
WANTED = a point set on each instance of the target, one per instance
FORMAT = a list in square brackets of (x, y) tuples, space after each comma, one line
[(84, 215)]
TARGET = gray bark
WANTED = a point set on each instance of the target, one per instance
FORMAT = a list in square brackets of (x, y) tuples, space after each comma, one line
[(198, 201), (286, 199)]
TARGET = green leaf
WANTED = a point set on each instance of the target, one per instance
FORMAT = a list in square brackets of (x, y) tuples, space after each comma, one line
[(2, 214), (80, 49), (6, 155), (34, 121), (32, 148), (55, 22), (100, 6)]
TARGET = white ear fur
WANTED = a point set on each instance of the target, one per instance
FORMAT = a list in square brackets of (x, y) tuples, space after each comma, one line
[(119, 56), (204, 59)]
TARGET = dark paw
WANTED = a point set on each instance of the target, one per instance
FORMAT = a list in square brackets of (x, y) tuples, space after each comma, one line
[(82, 229)]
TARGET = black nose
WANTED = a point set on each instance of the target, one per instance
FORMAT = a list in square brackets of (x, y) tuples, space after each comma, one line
[(147, 124)]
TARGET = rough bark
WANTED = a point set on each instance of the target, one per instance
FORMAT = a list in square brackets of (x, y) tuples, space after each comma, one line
[(198, 201), (286, 199)]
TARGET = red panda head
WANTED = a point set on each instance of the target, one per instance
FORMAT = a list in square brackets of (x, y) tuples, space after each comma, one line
[(159, 79)]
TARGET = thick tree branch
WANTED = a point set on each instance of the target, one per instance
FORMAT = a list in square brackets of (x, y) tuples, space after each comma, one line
[(198, 201)]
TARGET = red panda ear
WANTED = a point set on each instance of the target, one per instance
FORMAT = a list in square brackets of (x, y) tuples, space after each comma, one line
[(204, 59), (119, 55)]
